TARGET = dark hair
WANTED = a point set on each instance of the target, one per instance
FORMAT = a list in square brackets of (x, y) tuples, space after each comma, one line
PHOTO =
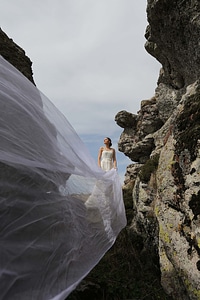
[(109, 141)]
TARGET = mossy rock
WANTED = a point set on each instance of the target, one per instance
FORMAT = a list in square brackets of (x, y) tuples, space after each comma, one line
[(187, 130), (148, 168)]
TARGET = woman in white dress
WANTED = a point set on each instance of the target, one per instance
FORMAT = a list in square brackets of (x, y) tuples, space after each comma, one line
[(107, 156)]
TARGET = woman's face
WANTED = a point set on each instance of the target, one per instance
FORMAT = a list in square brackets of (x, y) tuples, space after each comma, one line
[(106, 141)]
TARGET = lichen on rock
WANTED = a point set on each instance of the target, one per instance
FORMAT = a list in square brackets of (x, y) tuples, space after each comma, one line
[(168, 127)]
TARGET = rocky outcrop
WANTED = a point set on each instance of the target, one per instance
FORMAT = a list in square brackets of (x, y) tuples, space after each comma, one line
[(15, 55), (173, 39), (163, 141), (137, 141)]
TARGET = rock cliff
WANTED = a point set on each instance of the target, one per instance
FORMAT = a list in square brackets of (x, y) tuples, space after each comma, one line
[(163, 141), (15, 55)]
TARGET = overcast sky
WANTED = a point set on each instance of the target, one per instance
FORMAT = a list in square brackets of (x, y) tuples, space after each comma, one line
[(88, 59)]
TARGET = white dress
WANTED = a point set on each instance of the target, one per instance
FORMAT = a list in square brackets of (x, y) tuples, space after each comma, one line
[(107, 160)]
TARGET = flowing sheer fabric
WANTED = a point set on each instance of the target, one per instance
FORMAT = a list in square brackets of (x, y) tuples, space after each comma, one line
[(59, 212)]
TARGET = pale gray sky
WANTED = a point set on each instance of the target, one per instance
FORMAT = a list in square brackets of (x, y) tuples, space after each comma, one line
[(88, 59)]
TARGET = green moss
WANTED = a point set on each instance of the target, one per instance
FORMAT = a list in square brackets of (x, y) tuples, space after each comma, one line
[(192, 290), (148, 168), (156, 211), (164, 235)]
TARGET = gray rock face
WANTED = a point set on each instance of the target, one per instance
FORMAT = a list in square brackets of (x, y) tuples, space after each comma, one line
[(164, 143), (173, 39), (137, 141)]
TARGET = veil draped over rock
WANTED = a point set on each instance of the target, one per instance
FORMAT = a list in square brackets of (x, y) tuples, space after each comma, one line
[(59, 213)]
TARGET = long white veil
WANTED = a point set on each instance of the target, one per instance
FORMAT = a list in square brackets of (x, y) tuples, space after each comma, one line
[(59, 213)]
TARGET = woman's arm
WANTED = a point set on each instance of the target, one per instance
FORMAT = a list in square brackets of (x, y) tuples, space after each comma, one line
[(114, 159), (99, 156)]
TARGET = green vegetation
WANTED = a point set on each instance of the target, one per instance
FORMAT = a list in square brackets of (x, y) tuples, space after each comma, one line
[(121, 275)]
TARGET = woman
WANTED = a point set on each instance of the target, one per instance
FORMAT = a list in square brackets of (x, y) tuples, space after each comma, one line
[(47, 178), (107, 156)]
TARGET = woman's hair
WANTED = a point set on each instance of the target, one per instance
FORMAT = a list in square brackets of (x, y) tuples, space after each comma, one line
[(110, 144)]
